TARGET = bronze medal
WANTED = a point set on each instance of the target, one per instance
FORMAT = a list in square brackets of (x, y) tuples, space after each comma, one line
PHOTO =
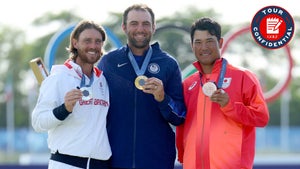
[(209, 88)]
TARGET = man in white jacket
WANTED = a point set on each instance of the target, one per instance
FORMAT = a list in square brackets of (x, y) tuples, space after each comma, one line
[(73, 103)]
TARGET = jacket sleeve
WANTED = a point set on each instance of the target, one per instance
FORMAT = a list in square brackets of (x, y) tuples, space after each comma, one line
[(253, 109), (172, 107), (179, 142), (43, 117)]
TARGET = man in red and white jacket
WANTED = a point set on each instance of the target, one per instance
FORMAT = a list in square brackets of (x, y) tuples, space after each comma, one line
[(224, 105)]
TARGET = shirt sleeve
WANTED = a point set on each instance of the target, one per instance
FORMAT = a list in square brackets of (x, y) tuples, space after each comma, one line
[(43, 118), (179, 142), (172, 107), (253, 109)]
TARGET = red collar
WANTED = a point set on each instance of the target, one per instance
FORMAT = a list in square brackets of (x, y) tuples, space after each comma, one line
[(96, 70)]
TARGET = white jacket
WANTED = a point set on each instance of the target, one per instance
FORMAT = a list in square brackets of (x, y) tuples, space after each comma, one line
[(83, 133)]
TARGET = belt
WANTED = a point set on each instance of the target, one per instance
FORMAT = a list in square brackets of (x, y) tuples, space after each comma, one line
[(80, 162)]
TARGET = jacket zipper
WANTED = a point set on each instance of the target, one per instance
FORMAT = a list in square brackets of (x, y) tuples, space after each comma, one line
[(134, 128), (202, 137)]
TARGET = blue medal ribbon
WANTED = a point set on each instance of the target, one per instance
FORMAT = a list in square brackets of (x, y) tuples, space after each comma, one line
[(144, 65), (222, 74), (82, 83)]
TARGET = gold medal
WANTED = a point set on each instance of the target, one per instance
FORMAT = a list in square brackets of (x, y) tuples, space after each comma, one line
[(86, 93), (209, 88), (140, 82)]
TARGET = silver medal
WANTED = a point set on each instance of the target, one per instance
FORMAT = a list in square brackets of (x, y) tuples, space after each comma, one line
[(86, 93)]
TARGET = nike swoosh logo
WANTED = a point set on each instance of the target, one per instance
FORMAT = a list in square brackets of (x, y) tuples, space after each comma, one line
[(122, 64)]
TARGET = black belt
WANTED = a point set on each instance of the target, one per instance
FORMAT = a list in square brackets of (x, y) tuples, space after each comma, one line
[(80, 162)]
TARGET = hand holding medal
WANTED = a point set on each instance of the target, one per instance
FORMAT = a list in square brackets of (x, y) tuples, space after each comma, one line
[(209, 88), (71, 98), (86, 93), (216, 95), (148, 85), (152, 86), (215, 92), (220, 96), (140, 82)]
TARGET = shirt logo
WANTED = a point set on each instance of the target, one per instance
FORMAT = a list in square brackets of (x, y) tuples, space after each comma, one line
[(153, 68), (226, 82), (192, 85), (272, 27), (122, 64)]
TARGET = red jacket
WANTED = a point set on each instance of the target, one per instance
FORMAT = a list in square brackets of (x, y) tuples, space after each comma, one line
[(221, 138)]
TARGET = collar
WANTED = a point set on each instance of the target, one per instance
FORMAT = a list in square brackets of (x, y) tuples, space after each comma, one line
[(216, 67), (72, 65)]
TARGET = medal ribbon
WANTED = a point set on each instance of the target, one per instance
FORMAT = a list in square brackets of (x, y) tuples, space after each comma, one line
[(222, 74), (69, 63), (144, 65), (82, 83)]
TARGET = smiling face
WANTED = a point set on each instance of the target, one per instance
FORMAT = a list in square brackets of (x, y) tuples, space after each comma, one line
[(89, 46), (139, 29), (206, 48)]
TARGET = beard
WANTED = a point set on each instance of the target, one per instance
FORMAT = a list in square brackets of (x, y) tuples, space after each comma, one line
[(138, 44), (85, 57)]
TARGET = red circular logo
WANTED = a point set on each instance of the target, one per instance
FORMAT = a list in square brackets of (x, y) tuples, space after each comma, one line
[(272, 27)]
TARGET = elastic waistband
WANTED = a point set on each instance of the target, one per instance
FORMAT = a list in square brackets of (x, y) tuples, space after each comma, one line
[(80, 162)]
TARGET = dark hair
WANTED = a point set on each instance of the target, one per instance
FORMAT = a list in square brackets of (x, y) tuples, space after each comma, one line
[(142, 7), (205, 23), (80, 27)]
